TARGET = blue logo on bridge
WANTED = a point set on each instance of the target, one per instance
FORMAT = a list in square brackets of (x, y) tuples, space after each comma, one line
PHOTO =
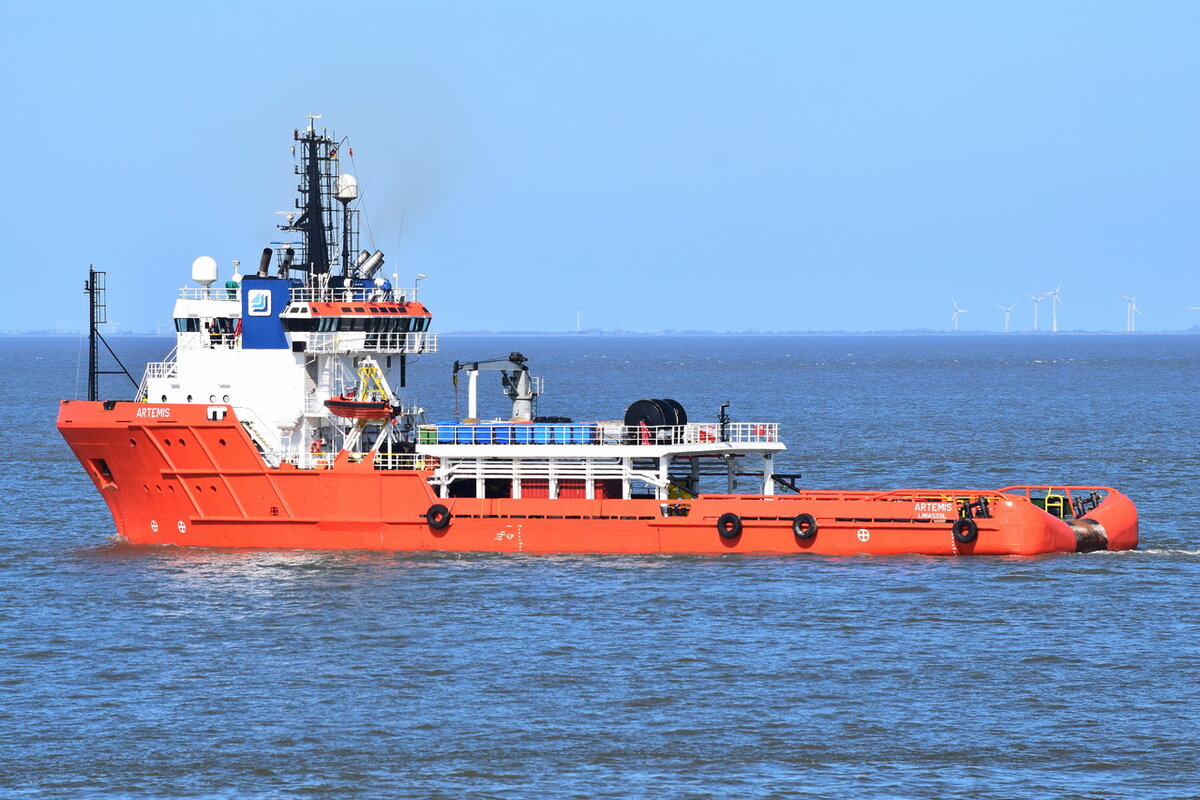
[(259, 302)]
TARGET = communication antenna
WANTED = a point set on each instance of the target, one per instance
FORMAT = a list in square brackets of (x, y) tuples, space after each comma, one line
[(346, 193), (204, 271)]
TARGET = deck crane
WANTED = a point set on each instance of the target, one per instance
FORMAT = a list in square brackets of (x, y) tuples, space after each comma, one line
[(518, 385)]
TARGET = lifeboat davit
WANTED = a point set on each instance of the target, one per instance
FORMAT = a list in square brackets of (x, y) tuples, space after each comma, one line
[(352, 408)]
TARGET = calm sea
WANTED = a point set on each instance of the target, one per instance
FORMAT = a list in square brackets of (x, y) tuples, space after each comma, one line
[(164, 672)]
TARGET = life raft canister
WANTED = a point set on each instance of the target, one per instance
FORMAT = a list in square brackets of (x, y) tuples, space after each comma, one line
[(965, 530), (729, 525), (438, 516), (804, 526)]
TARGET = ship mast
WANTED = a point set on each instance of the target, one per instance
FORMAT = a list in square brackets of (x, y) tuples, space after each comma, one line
[(317, 224), (98, 315), (316, 245)]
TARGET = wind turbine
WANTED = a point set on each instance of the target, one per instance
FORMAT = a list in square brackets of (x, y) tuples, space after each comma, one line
[(1131, 310), (1036, 298), (957, 311), (1007, 314), (1054, 307)]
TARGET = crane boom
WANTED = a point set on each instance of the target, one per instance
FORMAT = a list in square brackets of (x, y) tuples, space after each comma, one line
[(514, 378)]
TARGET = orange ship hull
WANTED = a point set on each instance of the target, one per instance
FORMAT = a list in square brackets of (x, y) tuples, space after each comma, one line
[(170, 475)]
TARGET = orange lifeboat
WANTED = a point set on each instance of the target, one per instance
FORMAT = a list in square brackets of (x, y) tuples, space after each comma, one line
[(369, 400), (348, 407)]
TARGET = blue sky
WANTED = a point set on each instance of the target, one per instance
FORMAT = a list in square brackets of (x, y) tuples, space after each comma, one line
[(779, 166)]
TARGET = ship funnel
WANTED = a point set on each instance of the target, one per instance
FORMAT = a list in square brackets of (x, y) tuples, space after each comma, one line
[(363, 256), (347, 188), (264, 263), (371, 265), (285, 263), (204, 271)]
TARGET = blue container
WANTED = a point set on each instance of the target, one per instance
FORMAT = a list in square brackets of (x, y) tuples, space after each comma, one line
[(483, 434), (464, 434), (502, 434), (522, 434), (584, 434), (562, 433), (445, 431), (541, 433)]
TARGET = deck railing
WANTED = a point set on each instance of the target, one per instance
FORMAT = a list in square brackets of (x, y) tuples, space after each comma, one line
[(595, 433), (351, 341), (233, 294), (382, 461), (307, 294), (405, 461), (162, 369), (312, 294), (205, 340)]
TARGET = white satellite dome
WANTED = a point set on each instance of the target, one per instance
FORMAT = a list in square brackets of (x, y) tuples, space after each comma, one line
[(347, 187), (204, 271)]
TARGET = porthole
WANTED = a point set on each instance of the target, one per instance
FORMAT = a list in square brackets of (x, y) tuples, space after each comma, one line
[(167, 442), (212, 488), (212, 398), (182, 443), (189, 398), (171, 488), (133, 442), (225, 398), (164, 398), (221, 442)]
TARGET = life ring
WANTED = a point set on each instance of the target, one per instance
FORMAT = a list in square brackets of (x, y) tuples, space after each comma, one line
[(729, 525), (438, 516), (965, 530), (804, 526)]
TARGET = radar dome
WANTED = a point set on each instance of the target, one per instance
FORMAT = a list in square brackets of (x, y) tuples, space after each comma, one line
[(347, 188), (204, 271)]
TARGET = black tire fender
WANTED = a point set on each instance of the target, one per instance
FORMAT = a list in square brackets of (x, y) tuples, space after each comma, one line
[(965, 530), (438, 516), (729, 525), (804, 526)]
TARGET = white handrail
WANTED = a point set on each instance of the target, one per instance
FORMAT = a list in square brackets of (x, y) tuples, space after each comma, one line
[(232, 294), (351, 341), (351, 294), (600, 433)]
